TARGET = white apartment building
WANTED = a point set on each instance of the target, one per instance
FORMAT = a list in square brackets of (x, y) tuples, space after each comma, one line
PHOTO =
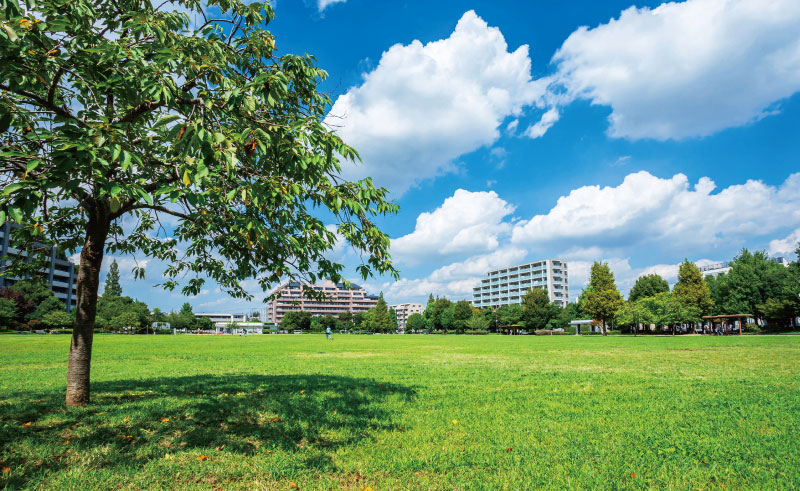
[(404, 310), (508, 285)]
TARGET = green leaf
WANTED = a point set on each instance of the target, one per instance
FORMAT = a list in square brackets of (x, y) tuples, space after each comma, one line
[(32, 165), (166, 120), (12, 36), (15, 212), (2, 216), (12, 187), (126, 159), (145, 196)]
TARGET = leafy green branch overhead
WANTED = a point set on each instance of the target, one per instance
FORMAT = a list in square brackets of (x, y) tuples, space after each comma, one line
[(125, 107)]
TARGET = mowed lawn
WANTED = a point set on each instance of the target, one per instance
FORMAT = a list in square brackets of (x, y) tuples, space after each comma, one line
[(405, 412)]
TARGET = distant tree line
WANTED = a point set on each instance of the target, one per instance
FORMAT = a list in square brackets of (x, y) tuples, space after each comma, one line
[(29, 304), (755, 285)]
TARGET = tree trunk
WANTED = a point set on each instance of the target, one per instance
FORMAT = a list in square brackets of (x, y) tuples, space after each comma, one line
[(88, 283)]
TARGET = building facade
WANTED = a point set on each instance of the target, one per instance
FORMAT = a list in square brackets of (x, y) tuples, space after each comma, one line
[(715, 269), (506, 286), (60, 273), (404, 310), (338, 300), (222, 318)]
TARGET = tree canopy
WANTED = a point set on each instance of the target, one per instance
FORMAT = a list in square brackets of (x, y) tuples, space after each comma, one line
[(602, 299), (536, 309), (647, 286), (692, 292), (112, 281)]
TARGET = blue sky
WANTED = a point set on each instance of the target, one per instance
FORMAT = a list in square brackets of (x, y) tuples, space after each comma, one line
[(638, 134)]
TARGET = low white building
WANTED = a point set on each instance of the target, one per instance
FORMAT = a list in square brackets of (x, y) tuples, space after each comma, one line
[(216, 318), (238, 327), (715, 269), (404, 311)]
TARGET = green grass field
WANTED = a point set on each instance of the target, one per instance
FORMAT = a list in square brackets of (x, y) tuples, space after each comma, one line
[(405, 412)]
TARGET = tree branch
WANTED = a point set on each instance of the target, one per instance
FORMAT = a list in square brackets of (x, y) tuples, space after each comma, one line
[(149, 106), (41, 102)]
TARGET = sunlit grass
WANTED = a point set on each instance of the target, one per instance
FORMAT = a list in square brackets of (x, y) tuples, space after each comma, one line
[(405, 412)]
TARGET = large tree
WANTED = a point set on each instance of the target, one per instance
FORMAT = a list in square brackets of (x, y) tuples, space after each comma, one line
[(536, 310), (379, 318), (462, 312), (112, 289), (692, 291), (647, 286), (602, 300), (209, 147)]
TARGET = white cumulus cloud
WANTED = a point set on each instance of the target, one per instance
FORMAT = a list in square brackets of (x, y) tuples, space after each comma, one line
[(684, 69), (787, 246), (668, 212), (466, 222), (424, 105)]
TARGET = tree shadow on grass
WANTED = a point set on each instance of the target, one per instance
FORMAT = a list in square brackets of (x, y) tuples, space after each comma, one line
[(130, 423)]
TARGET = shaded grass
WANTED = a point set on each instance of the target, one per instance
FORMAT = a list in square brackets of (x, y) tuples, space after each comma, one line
[(405, 412)]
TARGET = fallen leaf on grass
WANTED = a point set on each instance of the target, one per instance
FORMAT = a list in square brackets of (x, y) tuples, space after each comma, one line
[(302, 392), (508, 449), (240, 393), (6, 470), (126, 419), (455, 421), (633, 474), (25, 425), (169, 456), (127, 437), (275, 419), (202, 458), (66, 442), (164, 420), (293, 485), (219, 449), (334, 411), (367, 488)]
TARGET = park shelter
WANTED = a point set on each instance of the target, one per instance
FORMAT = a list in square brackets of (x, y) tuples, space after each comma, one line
[(725, 319), (593, 327)]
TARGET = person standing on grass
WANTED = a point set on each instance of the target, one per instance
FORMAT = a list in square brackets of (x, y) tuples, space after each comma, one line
[(328, 332), (244, 331)]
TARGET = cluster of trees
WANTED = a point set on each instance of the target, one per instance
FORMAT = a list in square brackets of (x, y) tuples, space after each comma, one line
[(380, 319), (535, 313), (757, 285), (29, 304), (754, 285)]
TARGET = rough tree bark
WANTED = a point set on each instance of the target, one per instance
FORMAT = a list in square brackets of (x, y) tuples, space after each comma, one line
[(88, 283)]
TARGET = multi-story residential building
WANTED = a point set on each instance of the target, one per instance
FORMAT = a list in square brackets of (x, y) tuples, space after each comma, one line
[(508, 285), (404, 310), (60, 273), (338, 299)]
